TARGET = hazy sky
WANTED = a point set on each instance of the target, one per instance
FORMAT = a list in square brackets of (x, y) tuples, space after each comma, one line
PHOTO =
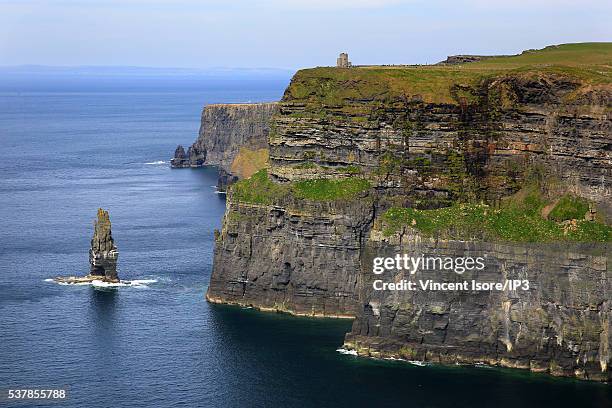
[(285, 34)]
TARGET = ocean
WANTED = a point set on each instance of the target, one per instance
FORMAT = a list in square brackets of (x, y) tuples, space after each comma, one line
[(67, 150)]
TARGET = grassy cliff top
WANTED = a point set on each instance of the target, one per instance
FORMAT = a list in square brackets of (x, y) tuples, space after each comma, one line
[(589, 55), (590, 63)]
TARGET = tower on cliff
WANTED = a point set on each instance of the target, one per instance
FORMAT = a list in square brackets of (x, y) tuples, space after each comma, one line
[(342, 61)]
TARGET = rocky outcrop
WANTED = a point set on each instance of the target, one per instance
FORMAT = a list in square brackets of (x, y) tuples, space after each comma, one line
[(297, 256), (475, 139), (103, 253), (464, 59), (193, 157), (226, 129), (225, 179)]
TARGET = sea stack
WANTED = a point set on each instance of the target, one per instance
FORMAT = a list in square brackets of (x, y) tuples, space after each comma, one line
[(103, 252), (193, 158)]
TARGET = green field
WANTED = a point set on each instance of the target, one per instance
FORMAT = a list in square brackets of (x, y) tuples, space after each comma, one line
[(590, 63)]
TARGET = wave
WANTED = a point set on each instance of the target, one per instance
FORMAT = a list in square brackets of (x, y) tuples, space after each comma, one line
[(138, 283), (413, 362), (347, 352), (156, 162), (67, 283)]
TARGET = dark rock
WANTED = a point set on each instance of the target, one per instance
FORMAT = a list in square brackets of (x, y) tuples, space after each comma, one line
[(224, 129), (225, 180), (465, 59), (103, 252), (298, 256), (560, 325), (193, 157), (180, 159)]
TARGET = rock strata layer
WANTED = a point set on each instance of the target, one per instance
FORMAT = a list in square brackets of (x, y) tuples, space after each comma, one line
[(103, 253), (478, 141), (559, 325), (224, 130)]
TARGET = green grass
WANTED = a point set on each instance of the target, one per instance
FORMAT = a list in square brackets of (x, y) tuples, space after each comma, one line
[(259, 189), (330, 190), (517, 220), (579, 54), (325, 87), (569, 207)]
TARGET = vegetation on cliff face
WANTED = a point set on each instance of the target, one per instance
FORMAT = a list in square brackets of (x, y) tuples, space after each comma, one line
[(247, 162), (569, 207), (519, 219), (328, 190), (259, 189)]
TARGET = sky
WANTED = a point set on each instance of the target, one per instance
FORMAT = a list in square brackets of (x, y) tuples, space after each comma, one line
[(287, 34)]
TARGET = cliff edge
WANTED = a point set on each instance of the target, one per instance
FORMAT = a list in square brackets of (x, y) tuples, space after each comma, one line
[(506, 158), (233, 137)]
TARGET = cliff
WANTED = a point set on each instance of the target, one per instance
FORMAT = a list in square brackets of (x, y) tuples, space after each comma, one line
[(233, 137), (225, 128), (508, 157), (561, 325)]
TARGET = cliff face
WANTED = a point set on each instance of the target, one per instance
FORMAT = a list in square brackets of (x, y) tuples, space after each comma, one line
[(225, 128), (233, 137), (350, 149), (561, 325), (480, 144), (296, 256)]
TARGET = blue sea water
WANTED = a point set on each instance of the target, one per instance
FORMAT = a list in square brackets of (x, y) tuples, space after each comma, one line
[(66, 152)]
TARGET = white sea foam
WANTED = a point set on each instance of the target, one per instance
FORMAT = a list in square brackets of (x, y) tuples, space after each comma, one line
[(67, 283), (418, 363), (138, 283), (156, 162), (347, 352)]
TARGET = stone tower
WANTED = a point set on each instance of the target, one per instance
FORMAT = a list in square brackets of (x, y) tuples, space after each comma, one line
[(342, 61), (103, 252)]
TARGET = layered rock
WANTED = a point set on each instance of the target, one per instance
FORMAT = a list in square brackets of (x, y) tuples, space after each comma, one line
[(225, 128), (295, 256), (482, 145), (103, 253), (479, 138), (229, 135), (560, 325)]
